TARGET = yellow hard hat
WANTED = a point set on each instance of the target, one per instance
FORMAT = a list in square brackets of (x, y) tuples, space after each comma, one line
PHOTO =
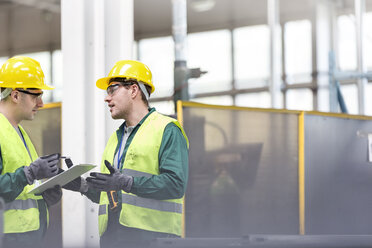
[(130, 69), (22, 72)]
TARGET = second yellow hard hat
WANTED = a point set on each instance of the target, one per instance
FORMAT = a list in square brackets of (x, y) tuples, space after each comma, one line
[(130, 69)]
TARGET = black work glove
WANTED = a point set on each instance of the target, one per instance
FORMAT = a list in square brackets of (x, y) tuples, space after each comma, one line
[(43, 167), (53, 195), (75, 184), (113, 181)]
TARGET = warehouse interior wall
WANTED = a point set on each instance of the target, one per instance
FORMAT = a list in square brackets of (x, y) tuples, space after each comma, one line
[(78, 42)]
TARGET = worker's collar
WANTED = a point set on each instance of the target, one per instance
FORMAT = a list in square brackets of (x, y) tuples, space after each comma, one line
[(121, 128)]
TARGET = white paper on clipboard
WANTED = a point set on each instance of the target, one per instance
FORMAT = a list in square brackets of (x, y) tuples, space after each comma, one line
[(62, 178)]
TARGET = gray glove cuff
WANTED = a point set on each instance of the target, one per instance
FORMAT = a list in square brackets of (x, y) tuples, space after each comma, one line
[(128, 186), (83, 186), (29, 174)]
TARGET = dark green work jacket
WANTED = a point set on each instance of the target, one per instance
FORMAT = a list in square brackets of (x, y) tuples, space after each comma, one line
[(169, 184)]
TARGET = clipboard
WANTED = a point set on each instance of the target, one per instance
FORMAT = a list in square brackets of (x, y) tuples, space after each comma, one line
[(62, 178)]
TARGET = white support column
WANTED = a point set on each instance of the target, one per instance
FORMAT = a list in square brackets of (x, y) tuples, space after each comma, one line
[(95, 34), (322, 30), (360, 7), (119, 37), (275, 53)]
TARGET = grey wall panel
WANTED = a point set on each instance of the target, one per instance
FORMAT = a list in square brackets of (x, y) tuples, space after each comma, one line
[(243, 173), (338, 178)]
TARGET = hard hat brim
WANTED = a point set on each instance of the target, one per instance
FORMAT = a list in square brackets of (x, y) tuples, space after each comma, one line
[(28, 86), (102, 83), (47, 87)]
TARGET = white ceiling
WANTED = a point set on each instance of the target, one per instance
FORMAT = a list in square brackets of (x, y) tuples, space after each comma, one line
[(31, 25)]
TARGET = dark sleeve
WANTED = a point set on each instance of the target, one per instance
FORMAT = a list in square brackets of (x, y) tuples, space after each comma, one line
[(11, 184), (93, 195), (173, 165)]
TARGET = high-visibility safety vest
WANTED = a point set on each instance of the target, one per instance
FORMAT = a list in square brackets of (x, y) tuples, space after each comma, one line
[(22, 214), (142, 160)]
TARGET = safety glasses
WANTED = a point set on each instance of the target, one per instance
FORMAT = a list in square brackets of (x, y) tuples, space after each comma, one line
[(113, 87), (36, 95)]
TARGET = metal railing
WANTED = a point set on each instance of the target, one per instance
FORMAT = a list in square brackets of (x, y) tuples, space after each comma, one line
[(270, 241)]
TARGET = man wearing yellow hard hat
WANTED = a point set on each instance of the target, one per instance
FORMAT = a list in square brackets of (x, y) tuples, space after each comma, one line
[(25, 215), (144, 165)]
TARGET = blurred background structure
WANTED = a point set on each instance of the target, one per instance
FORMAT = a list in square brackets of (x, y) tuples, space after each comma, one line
[(241, 43), (282, 57)]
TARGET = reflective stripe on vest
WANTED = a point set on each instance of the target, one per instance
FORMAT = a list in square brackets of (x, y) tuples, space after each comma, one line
[(152, 204), (21, 204), (102, 209)]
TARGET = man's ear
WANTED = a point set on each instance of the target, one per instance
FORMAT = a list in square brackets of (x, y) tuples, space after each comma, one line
[(135, 90), (15, 96)]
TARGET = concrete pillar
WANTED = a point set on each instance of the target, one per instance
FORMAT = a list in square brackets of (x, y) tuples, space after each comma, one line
[(275, 53), (322, 27), (95, 34)]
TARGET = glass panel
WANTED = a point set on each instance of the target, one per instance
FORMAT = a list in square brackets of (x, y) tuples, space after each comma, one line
[(216, 100), (297, 42), (347, 43), (259, 100), (368, 40), (166, 107), (158, 55), (323, 99), (44, 59), (243, 168), (368, 103), (211, 52), (299, 99), (251, 56), (350, 94), (57, 76)]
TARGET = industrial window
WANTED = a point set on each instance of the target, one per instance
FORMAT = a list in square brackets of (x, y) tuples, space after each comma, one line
[(346, 42), (350, 94), (158, 54), (299, 99), (259, 100), (368, 103), (323, 93), (298, 51), (368, 40), (211, 52), (216, 100), (164, 107), (251, 56)]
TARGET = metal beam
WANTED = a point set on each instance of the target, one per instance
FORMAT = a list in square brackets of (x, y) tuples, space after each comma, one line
[(270, 241), (179, 28)]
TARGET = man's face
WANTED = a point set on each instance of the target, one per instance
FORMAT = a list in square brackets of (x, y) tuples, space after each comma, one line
[(119, 100), (30, 102)]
